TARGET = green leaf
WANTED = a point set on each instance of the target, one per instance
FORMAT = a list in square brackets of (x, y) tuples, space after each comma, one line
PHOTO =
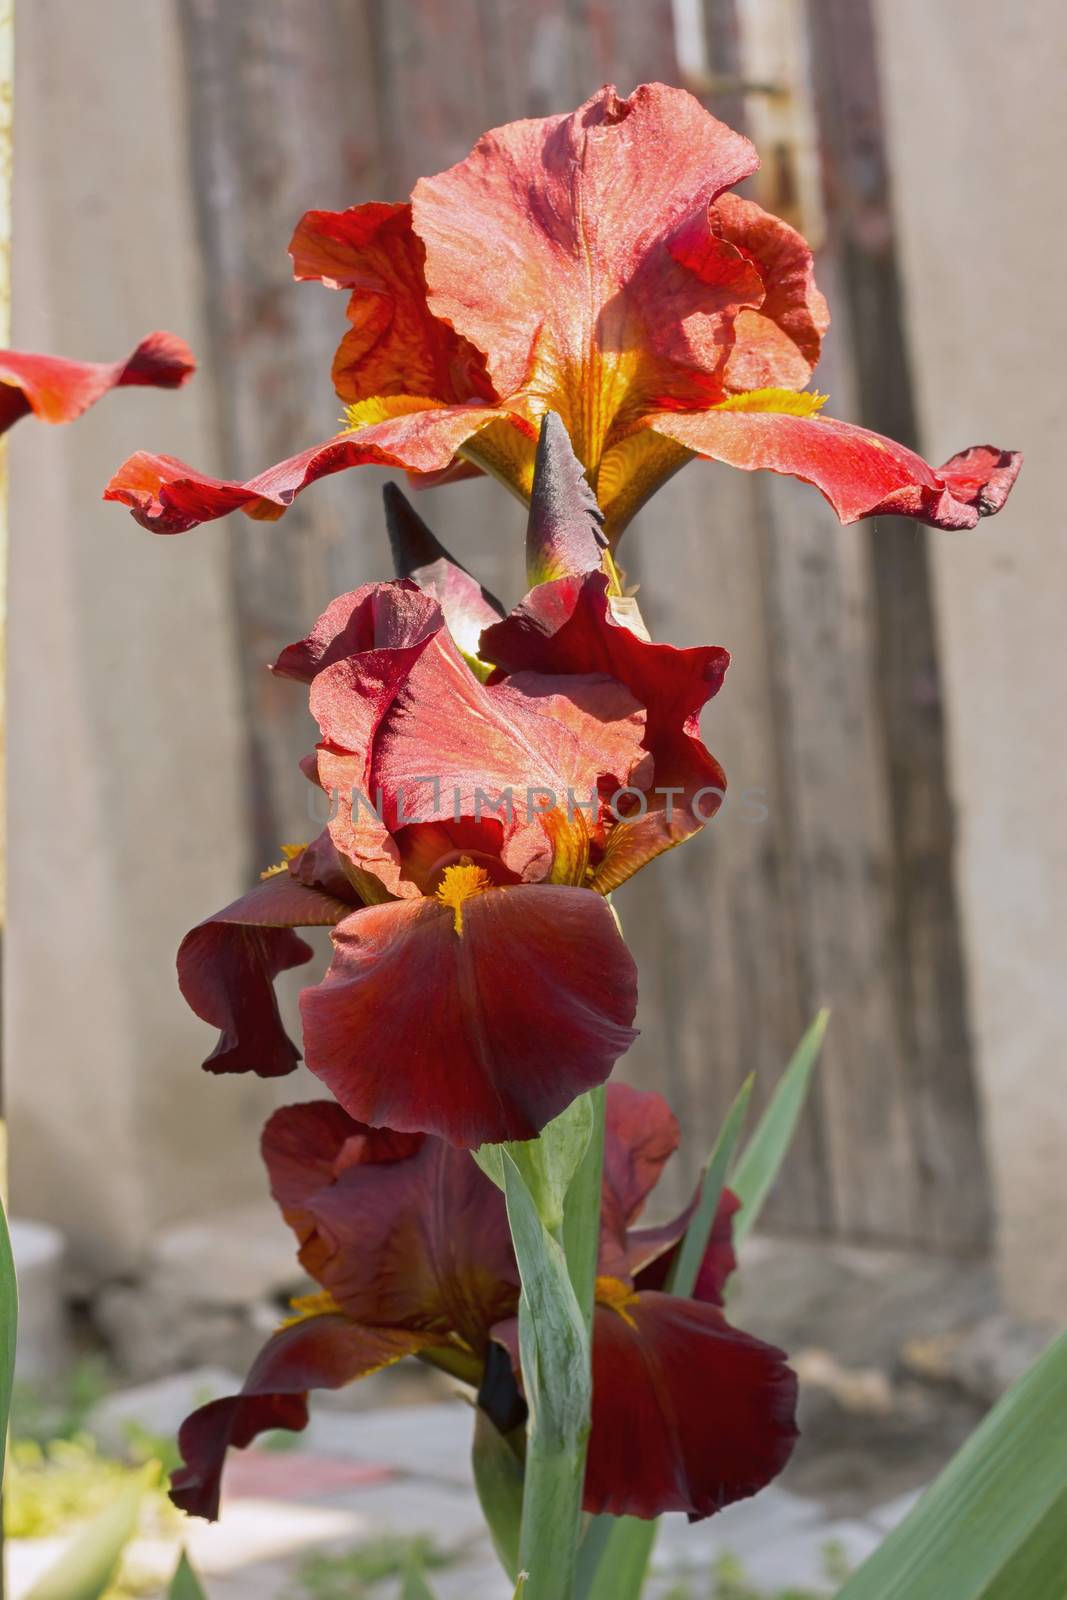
[(994, 1524), (415, 1586), (9, 1317), (548, 1164), (686, 1265), (86, 1568), (498, 1478), (581, 1222), (185, 1585), (618, 1561), (554, 1346), (761, 1160), (554, 1352)]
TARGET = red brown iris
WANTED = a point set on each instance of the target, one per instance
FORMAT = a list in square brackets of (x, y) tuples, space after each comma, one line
[(408, 1242), (479, 817), (621, 285)]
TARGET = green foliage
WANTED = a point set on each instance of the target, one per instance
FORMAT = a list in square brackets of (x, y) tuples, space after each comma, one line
[(686, 1266), (498, 1478), (994, 1525), (762, 1157), (60, 1411), (185, 1585), (352, 1574), (547, 1164)]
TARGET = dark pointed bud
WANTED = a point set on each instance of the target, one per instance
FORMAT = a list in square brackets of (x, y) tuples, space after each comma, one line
[(418, 554), (565, 533)]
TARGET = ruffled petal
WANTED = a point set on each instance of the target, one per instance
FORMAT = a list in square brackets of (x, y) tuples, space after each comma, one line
[(600, 287), (166, 495), (376, 616), (395, 345), (860, 473), (640, 1136), (478, 1025), (227, 966), (402, 1231), (776, 346), (689, 1414), (421, 739), (569, 625), (58, 390), (323, 1352), (651, 1251)]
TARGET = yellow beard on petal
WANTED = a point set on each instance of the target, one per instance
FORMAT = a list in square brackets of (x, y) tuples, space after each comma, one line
[(459, 883), (787, 402), (306, 1306), (617, 1296)]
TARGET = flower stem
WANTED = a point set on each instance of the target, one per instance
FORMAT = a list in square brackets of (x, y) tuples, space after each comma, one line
[(555, 1463)]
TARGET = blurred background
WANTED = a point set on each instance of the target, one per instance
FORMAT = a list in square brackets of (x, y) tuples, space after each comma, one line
[(897, 697)]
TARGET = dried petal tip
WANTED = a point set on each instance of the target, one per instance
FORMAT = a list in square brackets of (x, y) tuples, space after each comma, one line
[(418, 554), (565, 532)]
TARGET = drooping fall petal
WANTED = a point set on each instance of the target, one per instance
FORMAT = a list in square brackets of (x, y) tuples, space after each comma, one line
[(168, 496), (689, 1414), (651, 1251), (323, 1352), (227, 966), (477, 1021), (860, 473), (58, 390), (402, 1231)]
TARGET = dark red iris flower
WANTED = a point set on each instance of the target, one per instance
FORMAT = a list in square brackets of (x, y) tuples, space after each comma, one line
[(58, 390), (484, 802), (618, 283), (408, 1242)]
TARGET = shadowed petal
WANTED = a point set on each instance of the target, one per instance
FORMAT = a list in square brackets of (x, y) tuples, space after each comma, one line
[(377, 616), (689, 1414), (651, 1251), (481, 1032), (403, 1231), (323, 1352), (860, 473), (778, 344), (58, 390), (227, 966), (640, 1136)]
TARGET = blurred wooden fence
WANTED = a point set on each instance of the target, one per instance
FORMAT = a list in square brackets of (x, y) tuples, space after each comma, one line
[(832, 709)]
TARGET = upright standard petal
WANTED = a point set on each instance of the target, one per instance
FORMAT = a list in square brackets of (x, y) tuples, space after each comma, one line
[(227, 967), (477, 1018), (570, 625), (601, 286), (860, 473), (640, 1136), (58, 390), (395, 344), (402, 1231), (323, 1352), (689, 1414)]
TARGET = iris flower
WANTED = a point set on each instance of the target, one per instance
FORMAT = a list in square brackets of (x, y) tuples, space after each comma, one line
[(484, 803), (408, 1243), (597, 265), (58, 390)]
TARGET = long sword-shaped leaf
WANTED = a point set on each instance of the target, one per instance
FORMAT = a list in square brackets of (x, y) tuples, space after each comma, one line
[(185, 1585), (415, 1586), (619, 1572), (86, 1568), (686, 1264), (498, 1478), (762, 1157), (994, 1525)]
